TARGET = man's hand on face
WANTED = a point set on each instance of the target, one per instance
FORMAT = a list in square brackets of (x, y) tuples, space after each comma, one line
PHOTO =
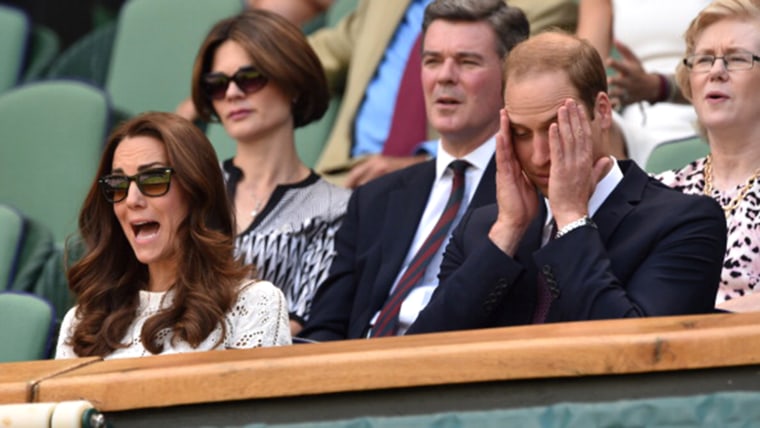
[(574, 171), (516, 196)]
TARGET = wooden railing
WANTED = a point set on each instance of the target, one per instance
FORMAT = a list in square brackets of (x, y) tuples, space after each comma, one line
[(551, 351)]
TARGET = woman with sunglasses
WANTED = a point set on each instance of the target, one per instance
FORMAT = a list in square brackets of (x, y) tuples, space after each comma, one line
[(720, 74), (257, 75), (158, 275)]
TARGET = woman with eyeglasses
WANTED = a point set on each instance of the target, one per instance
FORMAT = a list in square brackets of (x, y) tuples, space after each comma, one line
[(720, 74), (158, 275), (257, 75)]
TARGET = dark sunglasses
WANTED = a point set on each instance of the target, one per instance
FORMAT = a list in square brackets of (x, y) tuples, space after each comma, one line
[(153, 182), (248, 79)]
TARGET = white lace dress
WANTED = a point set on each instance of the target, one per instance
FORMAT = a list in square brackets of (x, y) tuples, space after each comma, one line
[(258, 318)]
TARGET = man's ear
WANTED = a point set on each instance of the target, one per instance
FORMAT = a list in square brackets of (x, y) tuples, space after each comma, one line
[(603, 110)]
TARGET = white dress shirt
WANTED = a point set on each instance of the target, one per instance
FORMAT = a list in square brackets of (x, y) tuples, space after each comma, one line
[(419, 297), (602, 191)]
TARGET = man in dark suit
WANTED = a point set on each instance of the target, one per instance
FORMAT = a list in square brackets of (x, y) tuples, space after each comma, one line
[(625, 245), (389, 220)]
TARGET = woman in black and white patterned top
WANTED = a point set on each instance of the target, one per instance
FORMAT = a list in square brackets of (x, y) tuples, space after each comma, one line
[(721, 77), (258, 76)]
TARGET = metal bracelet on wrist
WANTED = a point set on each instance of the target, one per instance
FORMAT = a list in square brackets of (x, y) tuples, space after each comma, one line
[(583, 221)]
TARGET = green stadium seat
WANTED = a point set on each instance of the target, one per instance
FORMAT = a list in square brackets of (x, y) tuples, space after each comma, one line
[(155, 46), (11, 239), (26, 327), (14, 32), (676, 154), (45, 45), (88, 58), (52, 135)]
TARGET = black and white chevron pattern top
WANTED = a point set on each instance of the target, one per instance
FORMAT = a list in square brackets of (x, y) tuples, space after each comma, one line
[(291, 241)]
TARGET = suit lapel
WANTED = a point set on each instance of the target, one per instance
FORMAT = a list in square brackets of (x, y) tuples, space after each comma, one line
[(531, 241), (485, 194), (621, 201), (626, 195), (526, 292), (403, 212)]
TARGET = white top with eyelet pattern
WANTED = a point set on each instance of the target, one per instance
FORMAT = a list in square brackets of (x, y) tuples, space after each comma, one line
[(258, 318)]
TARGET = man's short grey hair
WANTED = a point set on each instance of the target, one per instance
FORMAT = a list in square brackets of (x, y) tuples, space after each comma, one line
[(509, 23)]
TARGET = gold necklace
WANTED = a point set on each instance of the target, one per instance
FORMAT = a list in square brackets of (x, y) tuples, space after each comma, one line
[(733, 203)]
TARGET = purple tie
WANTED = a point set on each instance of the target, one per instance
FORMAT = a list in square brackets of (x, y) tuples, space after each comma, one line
[(387, 322), (543, 295)]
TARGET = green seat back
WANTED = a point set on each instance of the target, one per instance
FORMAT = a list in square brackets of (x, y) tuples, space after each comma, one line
[(40, 266), (311, 139), (26, 327), (223, 144), (155, 46), (338, 9), (11, 237), (51, 136), (87, 59), (676, 154), (45, 46), (14, 32)]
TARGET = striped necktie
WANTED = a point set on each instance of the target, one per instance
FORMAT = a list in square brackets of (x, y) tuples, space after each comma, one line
[(387, 322)]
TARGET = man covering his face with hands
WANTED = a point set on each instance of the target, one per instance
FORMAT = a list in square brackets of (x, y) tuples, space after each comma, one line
[(575, 234)]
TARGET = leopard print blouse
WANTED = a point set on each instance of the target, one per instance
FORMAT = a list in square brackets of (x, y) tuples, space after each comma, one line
[(741, 266)]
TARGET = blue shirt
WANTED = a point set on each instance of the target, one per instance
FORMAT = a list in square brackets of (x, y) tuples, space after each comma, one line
[(373, 119)]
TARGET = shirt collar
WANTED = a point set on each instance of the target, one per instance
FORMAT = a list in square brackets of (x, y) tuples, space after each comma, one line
[(603, 190), (478, 158)]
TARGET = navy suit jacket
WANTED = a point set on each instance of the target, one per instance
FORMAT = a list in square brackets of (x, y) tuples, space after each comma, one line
[(375, 236), (655, 252)]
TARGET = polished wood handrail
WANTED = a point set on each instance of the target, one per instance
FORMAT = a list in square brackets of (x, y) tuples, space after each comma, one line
[(609, 347), (18, 380)]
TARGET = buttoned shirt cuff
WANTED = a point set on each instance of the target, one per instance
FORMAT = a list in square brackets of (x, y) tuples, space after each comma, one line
[(429, 148)]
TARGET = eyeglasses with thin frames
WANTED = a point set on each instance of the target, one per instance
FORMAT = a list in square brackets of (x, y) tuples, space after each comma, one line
[(153, 183), (248, 79), (735, 61)]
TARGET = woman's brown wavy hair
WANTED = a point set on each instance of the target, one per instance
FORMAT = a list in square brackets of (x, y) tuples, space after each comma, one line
[(107, 279), (279, 50)]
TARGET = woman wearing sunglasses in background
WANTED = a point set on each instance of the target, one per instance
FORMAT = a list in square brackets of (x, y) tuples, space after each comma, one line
[(257, 75), (158, 275), (721, 76)]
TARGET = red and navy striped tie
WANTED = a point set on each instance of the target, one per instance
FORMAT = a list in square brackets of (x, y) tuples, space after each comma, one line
[(387, 322)]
